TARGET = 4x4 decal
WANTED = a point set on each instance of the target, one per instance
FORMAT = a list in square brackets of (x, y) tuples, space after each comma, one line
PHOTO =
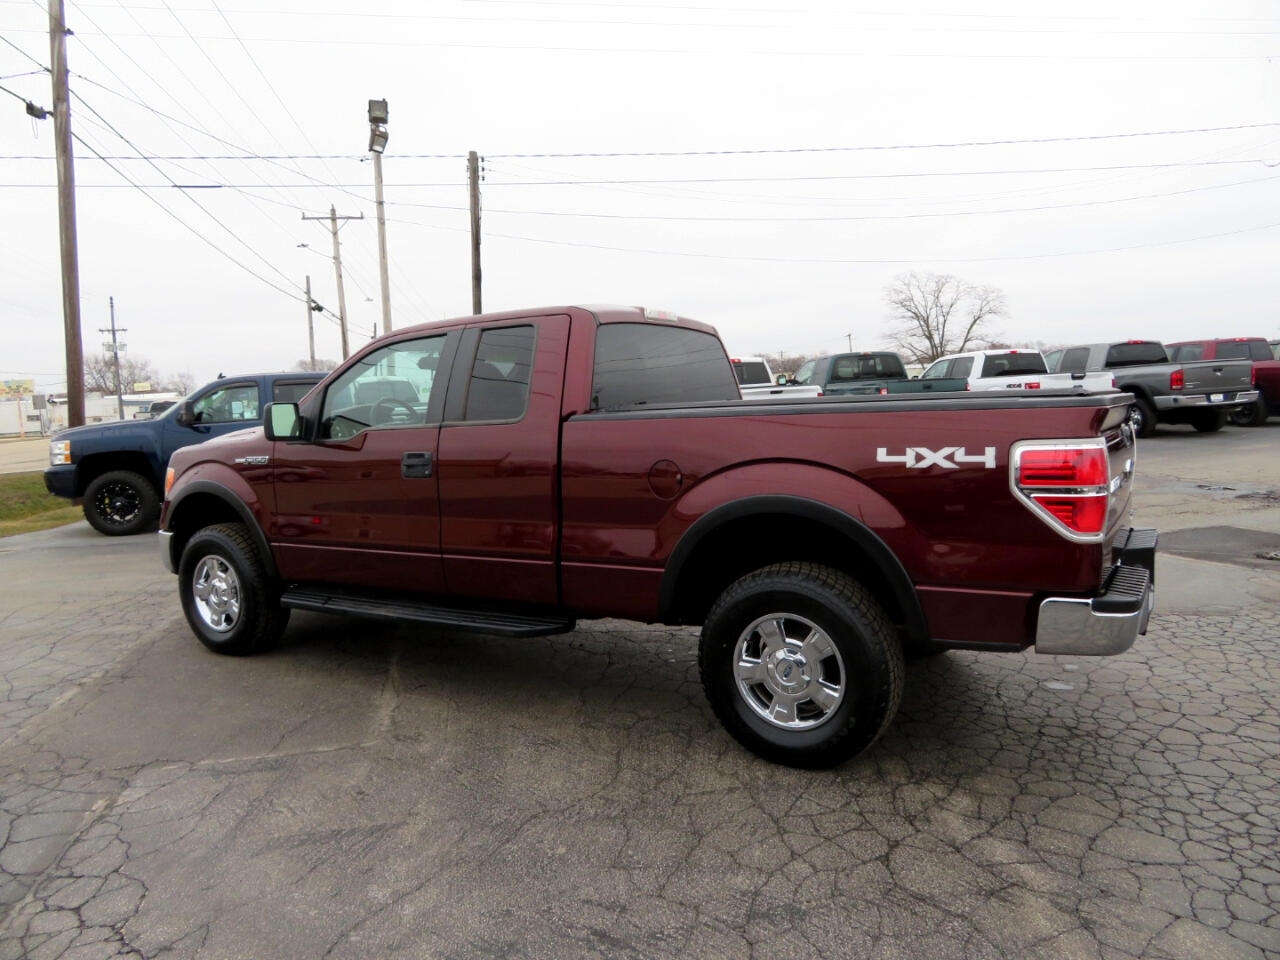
[(949, 458)]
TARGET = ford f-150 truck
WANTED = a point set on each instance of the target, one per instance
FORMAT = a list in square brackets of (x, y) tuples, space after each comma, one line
[(854, 374), (117, 468), (1014, 370), (1266, 372), (1201, 394), (575, 462)]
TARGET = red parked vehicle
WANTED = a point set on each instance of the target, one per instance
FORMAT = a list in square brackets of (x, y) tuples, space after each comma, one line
[(510, 473), (1266, 372)]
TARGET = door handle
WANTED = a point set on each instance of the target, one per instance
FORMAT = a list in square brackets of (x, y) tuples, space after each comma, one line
[(415, 466)]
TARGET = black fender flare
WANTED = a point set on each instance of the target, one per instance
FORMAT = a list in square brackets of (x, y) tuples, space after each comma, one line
[(228, 497), (904, 592)]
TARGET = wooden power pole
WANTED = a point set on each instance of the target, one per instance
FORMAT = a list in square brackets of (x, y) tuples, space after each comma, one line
[(333, 219), (473, 171), (67, 214)]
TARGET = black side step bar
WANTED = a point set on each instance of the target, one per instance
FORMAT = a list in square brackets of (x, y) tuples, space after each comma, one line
[(400, 607)]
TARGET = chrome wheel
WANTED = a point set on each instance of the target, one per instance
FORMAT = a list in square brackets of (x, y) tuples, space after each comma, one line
[(216, 591), (788, 671)]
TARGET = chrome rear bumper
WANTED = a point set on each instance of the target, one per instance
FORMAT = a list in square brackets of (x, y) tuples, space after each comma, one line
[(1111, 621)]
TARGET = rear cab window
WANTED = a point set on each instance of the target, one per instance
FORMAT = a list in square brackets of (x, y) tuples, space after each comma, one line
[(751, 372), (1135, 353), (640, 364), (1012, 364)]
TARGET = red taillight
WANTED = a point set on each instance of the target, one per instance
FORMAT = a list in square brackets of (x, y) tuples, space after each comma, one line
[(1177, 379), (1033, 385), (1253, 376), (883, 391), (1062, 467), (1067, 484)]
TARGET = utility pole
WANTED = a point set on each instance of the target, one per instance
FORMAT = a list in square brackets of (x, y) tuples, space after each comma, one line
[(473, 175), (67, 214), (115, 353), (850, 336), (333, 219), (377, 144), (311, 329)]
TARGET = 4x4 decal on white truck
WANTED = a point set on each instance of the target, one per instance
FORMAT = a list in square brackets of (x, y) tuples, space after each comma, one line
[(949, 458)]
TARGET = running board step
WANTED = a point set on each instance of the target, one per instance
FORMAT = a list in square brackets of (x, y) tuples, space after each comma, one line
[(401, 607)]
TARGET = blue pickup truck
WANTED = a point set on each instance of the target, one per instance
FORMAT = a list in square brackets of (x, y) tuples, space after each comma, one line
[(117, 468)]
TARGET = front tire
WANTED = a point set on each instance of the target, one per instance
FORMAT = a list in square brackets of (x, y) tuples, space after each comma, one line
[(121, 503), (231, 604), (801, 665), (1142, 416)]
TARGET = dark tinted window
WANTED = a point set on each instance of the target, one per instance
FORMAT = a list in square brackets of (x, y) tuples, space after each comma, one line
[(1234, 350), (961, 368), (1075, 360), (291, 391), (499, 388), (1258, 350), (750, 372), (1187, 352), (1132, 354), (867, 366), (643, 363), (1012, 364)]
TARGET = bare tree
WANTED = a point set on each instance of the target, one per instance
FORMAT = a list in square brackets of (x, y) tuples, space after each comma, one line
[(180, 383), (938, 314), (100, 374), (318, 365)]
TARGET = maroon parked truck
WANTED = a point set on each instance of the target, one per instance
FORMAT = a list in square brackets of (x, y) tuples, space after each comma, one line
[(1266, 372), (511, 473)]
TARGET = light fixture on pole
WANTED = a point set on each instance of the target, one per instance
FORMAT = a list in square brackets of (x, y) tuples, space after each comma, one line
[(377, 144)]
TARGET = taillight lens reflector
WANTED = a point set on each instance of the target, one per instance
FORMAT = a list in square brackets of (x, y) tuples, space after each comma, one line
[(1067, 485), (1177, 379), (1062, 467)]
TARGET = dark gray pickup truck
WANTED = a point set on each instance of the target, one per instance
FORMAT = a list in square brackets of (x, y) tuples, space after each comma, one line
[(1202, 394)]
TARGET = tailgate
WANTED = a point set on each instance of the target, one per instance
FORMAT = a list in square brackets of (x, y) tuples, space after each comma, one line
[(1217, 376)]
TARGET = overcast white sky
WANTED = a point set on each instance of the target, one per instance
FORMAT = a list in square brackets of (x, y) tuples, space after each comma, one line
[(765, 169)]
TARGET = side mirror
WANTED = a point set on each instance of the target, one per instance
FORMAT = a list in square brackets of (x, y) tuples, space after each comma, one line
[(780, 380), (186, 414), (282, 422)]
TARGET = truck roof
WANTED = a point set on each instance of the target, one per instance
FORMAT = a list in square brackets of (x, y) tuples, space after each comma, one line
[(603, 313)]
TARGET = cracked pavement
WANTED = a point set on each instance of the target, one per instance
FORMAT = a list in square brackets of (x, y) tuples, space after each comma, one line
[(373, 790)]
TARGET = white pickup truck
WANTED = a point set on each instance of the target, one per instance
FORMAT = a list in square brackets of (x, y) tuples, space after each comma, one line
[(1015, 370), (757, 382)]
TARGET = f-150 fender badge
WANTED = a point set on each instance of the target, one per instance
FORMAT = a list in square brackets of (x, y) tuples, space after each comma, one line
[(253, 461), (949, 458)]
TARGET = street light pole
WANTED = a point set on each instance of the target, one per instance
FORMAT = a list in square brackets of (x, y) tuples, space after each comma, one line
[(377, 144)]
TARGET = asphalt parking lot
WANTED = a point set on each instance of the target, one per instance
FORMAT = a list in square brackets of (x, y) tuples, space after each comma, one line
[(368, 790)]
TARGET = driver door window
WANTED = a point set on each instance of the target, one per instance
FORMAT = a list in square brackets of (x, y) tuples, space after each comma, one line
[(227, 404), (390, 387)]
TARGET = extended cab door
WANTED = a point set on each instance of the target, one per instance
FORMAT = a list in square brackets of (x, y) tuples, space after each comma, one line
[(357, 503), (499, 461)]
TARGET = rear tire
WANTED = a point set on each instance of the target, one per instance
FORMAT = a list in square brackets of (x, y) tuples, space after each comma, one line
[(801, 665), (1209, 421), (1251, 414), (121, 503), (233, 607)]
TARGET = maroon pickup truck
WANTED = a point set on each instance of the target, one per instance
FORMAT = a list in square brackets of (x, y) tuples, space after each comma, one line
[(511, 473), (1266, 372)]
